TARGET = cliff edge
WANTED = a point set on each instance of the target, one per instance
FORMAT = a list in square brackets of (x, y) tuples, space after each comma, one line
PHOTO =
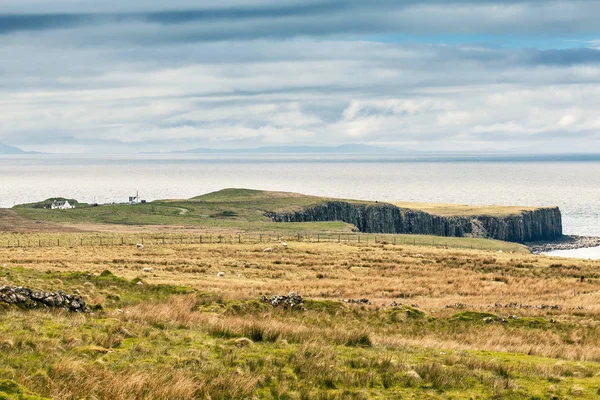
[(521, 226)]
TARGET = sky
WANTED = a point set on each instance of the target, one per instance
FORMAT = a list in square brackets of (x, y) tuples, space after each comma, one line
[(117, 76)]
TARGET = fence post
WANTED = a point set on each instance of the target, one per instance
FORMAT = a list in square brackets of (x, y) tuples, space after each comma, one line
[(58, 242), (298, 237), (318, 238), (339, 238)]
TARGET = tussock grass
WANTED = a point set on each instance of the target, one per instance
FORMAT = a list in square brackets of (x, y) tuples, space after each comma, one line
[(187, 333)]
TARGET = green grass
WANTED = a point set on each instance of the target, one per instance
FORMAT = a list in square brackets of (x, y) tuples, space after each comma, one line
[(10, 390), (230, 208), (169, 213)]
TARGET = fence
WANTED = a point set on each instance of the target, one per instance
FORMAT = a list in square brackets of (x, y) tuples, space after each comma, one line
[(154, 239)]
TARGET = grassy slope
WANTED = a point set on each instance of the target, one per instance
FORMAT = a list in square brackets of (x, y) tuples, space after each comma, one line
[(239, 209), (230, 208), (180, 335)]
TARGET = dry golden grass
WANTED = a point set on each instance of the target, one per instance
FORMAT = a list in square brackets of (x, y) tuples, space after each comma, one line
[(221, 342), (464, 210), (435, 279)]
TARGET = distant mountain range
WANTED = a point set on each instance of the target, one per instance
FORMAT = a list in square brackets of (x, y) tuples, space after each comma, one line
[(343, 149), (6, 149)]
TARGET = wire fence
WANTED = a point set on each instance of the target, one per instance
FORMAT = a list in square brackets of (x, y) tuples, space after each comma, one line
[(156, 239)]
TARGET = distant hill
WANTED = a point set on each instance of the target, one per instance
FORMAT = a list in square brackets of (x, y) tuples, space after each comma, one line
[(343, 149), (6, 149)]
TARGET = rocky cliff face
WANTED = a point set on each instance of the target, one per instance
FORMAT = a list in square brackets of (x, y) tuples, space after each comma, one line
[(540, 224)]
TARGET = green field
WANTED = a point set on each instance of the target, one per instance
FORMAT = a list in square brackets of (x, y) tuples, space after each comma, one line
[(242, 209), (224, 209)]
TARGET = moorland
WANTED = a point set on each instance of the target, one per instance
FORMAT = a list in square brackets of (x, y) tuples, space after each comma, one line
[(191, 313)]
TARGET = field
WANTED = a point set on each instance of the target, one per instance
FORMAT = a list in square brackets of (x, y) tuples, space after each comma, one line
[(440, 322), (463, 210)]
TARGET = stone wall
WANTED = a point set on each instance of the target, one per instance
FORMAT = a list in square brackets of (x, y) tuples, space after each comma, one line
[(39, 299)]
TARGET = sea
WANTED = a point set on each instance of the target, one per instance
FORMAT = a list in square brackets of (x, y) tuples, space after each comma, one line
[(570, 182)]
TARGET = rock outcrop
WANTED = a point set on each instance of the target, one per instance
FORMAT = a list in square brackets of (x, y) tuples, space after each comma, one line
[(290, 301), (528, 226), (38, 299)]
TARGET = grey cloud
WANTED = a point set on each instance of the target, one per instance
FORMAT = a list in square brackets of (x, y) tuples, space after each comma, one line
[(149, 77), (567, 57), (243, 20)]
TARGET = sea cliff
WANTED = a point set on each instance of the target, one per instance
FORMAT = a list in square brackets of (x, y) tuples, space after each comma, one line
[(527, 226)]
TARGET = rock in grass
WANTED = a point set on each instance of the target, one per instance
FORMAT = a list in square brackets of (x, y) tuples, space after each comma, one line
[(38, 299), (291, 300), (413, 376)]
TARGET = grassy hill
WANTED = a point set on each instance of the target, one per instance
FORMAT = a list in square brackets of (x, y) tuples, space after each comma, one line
[(240, 209), (237, 210)]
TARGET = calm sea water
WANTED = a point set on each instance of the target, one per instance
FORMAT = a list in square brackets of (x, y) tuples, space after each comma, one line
[(572, 185)]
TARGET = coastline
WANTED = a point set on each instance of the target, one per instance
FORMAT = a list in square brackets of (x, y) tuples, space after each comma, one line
[(567, 242)]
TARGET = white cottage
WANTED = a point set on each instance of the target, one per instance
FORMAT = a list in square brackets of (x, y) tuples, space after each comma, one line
[(61, 205)]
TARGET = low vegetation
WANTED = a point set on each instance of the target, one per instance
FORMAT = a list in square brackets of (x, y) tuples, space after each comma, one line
[(186, 320), (289, 232), (463, 210)]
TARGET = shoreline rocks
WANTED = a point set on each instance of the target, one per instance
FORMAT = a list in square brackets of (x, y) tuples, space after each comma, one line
[(38, 299), (567, 242)]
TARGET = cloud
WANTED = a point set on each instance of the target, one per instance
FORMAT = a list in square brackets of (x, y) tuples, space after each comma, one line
[(153, 75), (190, 21)]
